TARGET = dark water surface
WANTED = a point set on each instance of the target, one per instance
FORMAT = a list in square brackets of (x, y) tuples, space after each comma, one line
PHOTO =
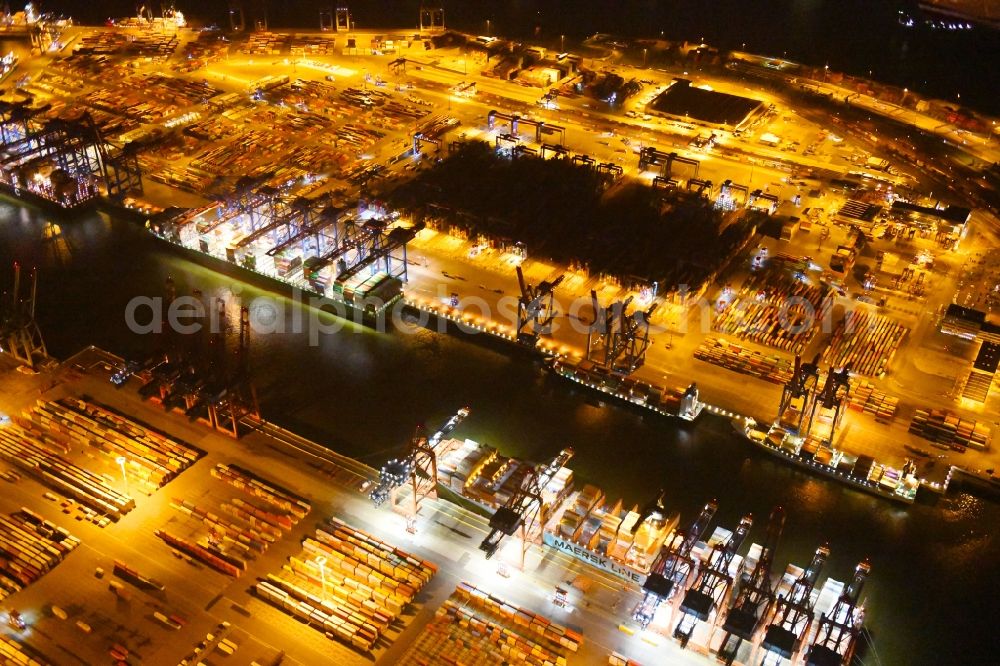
[(936, 569)]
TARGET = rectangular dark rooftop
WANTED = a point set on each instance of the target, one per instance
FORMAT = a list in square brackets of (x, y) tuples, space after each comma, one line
[(957, 311), (988, 357), (953, 214), (859, 210), (682, 99)]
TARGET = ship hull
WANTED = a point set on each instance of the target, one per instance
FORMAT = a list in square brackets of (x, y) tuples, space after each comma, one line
[(872, 488)]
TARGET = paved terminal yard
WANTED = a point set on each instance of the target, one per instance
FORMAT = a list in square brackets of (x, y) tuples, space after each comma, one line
[(124, 592)]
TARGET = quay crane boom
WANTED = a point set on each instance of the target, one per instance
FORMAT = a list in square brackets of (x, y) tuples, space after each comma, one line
[(654, 506), (756, 595), (794, 614), (421, 455), (522, 508), (713, 584), (672, 566), (837, 635)]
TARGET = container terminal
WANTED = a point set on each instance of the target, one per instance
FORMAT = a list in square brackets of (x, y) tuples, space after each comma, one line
[(346, 246), (229, 517)]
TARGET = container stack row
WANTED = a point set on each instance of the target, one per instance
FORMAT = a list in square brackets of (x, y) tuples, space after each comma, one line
[(33, 454), (478, 629), (348, 584), (866, 398), (866, 342), (312, 45), (246, 541), (950, 431), (773, 308), (30, 547), (236, 530), (526, 620), (736, 357), (374, 560), (13, 653), (295, 507), (334, 619), (204, 551), (264, 43), (151, 459)]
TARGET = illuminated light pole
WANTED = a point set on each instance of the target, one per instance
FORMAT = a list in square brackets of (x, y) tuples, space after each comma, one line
[(321, 561), (121, 463), (562, 43), (644, 50), (488, 28)]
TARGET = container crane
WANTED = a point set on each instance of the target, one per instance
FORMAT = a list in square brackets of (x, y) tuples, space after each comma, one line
[(837, 635), (794, 614), (672, 566), (652, 507), (19, 333), (418, 466), (615, 340), (522, 509), (801, 386), (756, 595), (832, 399), (534, 308), (598, 332), (631, 340), (713, 584), (238, 400)]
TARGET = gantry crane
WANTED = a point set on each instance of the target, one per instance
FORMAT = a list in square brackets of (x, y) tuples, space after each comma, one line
[(653, 506), (515, 121), (798, 392), (831, 399), (650, 156), (615, 340), (534, 308), (418, 466), (238, 399), (793, 614), (19, 333), (631, 340), (522, 508), (713, 585), (756, 595), (837, 634), (73, 146), (672, 566), (597, 332)]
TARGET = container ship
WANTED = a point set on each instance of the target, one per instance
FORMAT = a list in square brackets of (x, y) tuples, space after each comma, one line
[(351, 261), (809, 417), (583, 523), (682, 403), (861, 472), (696, 573)]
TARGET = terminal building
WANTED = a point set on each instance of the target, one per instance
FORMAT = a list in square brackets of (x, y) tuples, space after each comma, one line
[(949, 224), (683, 101)]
